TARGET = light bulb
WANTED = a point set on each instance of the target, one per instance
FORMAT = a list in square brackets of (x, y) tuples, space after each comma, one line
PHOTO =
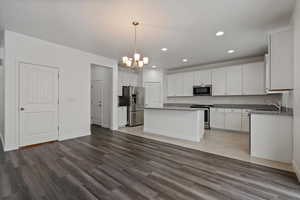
[(141, 63), (129, 63), (146, 60), (137, 56), (124, 59)]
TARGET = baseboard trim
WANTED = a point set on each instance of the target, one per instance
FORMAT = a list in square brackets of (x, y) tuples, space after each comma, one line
[(73, 136), (7, 147), (10, 148), (296, 169)]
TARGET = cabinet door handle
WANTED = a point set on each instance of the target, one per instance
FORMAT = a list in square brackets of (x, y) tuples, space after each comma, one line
[(22, 109)]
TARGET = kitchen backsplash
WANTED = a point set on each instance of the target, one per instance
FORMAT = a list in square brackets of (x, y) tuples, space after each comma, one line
[(268, 99)]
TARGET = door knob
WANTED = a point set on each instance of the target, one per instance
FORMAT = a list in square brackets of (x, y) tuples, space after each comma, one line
[(22, 109)]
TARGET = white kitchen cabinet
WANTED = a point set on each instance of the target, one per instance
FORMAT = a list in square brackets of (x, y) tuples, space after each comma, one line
[(254, 78), (272, 137), (280, 65), (188, 82), (133, 79), (171, 82), (126, 78), (218, 82), (234, 80), (202, 77), (179, 84), (233, 119), (122, 116), (153, 95), (245, 121), (217, 118), (175, 85)]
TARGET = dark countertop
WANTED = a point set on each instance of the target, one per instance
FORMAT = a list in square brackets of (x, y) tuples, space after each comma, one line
[(284, 112), (180, 108), (254, 108)]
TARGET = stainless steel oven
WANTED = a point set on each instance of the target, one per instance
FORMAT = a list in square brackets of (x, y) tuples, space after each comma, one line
[(205, 90)]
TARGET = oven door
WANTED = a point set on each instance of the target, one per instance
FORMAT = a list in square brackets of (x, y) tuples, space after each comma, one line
[(202, 91)]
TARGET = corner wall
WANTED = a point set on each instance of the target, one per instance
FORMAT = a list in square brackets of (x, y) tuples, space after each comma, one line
[(2, 89), (296, 101), (74, 86)]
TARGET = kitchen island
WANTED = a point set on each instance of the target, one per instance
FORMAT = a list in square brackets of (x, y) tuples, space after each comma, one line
[(176, 122)]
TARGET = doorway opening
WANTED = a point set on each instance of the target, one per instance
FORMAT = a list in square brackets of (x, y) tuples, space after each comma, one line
[(101, 96)]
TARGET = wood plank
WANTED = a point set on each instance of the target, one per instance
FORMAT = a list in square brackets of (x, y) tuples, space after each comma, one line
[(112, 165)]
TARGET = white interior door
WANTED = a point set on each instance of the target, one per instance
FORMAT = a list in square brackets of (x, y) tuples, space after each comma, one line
[(38, 104), (153, 94), (97, 102)]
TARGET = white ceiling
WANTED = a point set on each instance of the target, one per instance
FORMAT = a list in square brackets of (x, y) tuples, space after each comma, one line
[(186, 27)]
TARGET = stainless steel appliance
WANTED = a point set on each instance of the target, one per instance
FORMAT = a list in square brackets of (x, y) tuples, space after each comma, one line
[(202, 90), (135, 109), (206, 114)]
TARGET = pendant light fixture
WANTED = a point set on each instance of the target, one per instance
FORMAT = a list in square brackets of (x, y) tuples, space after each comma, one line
[(137, 62)]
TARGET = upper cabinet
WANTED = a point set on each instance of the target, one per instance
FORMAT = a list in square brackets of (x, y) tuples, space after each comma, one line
[(280, 63), (188, 83), (254, 78), (246, 79), (218, 77), (202, 77), (234, 80), (126, 78), (179, 84), (171, 81), (175, 84)]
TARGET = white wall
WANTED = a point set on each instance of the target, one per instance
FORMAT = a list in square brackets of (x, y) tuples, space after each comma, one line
[(1, 52), (2, 103), (297, 89), (75, 77), (104, 74), (1, 89)]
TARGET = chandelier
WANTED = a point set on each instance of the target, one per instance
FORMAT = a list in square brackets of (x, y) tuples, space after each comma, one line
[(137, 62)]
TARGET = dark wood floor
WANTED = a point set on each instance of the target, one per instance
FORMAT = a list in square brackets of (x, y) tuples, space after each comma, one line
[(110, 165)]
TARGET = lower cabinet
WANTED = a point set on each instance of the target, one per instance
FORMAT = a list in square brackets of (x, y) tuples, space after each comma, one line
[(233, 119), (229, 119), (272, 137), (122, 116), (217, 118)]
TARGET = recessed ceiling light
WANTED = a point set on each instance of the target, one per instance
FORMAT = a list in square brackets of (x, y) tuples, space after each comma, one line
[(154, 66), (164, 49), (220, 33), (230, 51), (184, 60)]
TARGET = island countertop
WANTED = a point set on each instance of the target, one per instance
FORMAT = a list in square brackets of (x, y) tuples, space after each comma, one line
[(175, 108)]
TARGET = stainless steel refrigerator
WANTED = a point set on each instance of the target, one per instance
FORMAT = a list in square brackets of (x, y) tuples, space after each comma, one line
[(135, 111)]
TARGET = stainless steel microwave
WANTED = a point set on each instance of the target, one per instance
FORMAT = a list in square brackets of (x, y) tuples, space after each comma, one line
[(205, 90)]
